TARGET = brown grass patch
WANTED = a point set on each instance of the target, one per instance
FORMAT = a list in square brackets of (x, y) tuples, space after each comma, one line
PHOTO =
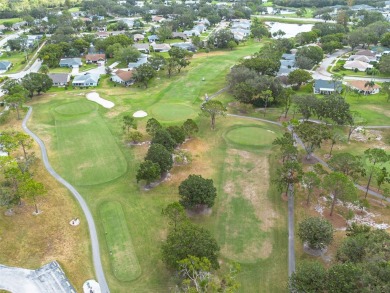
[(251, 253), (210, 54), (251, 168), (30, 241)]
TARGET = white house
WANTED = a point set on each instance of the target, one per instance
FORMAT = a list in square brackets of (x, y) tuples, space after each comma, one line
[(124, 77), (86, 79), (359, 65)]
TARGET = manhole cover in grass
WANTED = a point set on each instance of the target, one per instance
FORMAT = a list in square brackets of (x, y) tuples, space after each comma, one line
[(76, 108), (250, 136), (172, 112)]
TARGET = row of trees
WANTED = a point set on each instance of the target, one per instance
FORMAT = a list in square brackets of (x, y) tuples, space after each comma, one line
[(17, 179), (159, 158), (362, 264)]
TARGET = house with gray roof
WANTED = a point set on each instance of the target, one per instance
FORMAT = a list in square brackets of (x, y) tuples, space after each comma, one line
[(5, 65), (327, 87), (153, 38), (59, 79), (142, 47), (86, 79), (141, 60), (160, 47), (70, 62), (186, 46), (191, 33)]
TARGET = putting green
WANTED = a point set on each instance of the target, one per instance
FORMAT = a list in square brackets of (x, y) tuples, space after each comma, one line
[(76, 108), (87, 151), (124, 261), (250, 136), (172, 112)]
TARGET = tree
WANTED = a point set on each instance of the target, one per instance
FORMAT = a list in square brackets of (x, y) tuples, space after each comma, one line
[(384, 64), (158, 62), (231, 44), (381, 175), (135, 136), (190, 127), (180, 57), (334, 108), (127, 54), (286, 144), (313, 53), (316, 232), (310, 276), (355, 121), (386, 90), (287, 98), (128, 123), (164, 138), (31, 189), (213, 108), (312, 136), (374, 157), (340, 187), (144, 74), (343, 278), (152, 126), (176, 214), (306, 105), (289, 173), (187, 240), (266, 97), (36, 82), (148, 171), (16, 97), (220, 38), (196, 273), (347, 164), (299, 76), (310, 180), (157, 153), (44, 69), (177, 133), (164, 32), (197, 192)]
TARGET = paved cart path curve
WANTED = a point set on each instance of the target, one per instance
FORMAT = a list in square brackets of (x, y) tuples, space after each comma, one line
[(91, 224)]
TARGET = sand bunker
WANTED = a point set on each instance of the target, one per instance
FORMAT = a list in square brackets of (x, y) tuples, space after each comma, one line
[(94, 97), (140, 114)]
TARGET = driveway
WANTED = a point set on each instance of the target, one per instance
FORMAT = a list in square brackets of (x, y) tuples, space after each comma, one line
[(75, 71)]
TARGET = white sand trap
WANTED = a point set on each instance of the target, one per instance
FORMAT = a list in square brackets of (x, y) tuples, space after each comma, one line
[(91, 286), (140, 114), (94, 97)]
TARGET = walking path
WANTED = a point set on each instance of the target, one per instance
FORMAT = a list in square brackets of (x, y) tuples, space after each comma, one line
[(91, 224)]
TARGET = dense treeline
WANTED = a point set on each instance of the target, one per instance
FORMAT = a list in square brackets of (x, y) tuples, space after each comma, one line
[(324, 3)]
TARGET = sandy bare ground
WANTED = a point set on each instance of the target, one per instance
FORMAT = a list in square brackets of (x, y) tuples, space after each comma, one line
[(95, 97)]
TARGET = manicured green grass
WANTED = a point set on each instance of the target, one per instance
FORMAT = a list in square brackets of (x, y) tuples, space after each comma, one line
[(99, 138), (251, 136), (12, 20), (90, 155), (17, 59), (76, 108), (172, 112), (60, 70), (124, 262)]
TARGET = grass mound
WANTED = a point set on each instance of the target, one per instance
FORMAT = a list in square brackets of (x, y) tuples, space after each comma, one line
[(250, 136), (124, 261), (172, 112), (89, 153), (76, 108)]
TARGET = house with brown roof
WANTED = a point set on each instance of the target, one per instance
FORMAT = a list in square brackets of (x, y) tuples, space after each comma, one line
[(365, 53), (124, 77), (364, 87), (95, 58), (158, 18), (102, 35)]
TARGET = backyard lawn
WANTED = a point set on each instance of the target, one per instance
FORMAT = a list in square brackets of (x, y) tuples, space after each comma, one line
[(249, 226)]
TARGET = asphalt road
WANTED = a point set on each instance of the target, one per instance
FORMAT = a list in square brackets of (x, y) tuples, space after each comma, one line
[(91, 224)]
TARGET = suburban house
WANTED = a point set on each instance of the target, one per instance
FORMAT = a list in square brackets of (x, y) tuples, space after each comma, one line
[(160, 47), (362, 58), (123, 77), (191, 33), (5, 65), (59, 79), (153, 38), (357, 65), (141, 60), (138, 38), (158, 18), (144, 48), (95, 58), (186, 46), (86, 79), (363, 87), (179, 35), (102, 35), (365, 53), (70, 62), (327, 87), (32, 39)]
